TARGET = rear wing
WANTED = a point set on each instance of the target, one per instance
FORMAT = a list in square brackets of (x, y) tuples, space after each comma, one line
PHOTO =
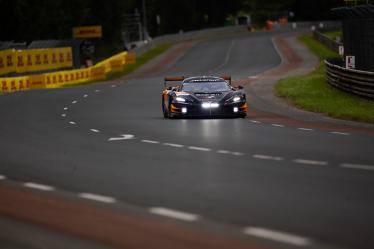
[(181, 78), (173, 79)]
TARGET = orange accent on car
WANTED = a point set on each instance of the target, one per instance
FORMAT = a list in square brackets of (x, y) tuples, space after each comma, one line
[(174, 108), (244, 108)]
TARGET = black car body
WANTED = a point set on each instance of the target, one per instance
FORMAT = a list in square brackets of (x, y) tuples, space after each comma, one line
[(203, 96)]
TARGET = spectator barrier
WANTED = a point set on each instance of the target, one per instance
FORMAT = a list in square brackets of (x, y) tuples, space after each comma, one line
[(58, 79), (32, 60)]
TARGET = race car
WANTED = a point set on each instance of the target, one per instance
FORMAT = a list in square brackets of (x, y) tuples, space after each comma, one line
[(203, 96)]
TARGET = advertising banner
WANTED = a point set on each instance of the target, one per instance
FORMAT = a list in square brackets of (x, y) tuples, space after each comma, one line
[(87, 32)]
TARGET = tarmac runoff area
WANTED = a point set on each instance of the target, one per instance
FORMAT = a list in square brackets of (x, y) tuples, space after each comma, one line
[(87, 152)]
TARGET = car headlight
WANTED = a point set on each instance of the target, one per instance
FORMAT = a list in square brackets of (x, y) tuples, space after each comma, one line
[(236, 99), (180, 99)]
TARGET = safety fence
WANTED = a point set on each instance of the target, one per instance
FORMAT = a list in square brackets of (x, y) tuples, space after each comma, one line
[(31, 60), (357, 82), (58, 79)]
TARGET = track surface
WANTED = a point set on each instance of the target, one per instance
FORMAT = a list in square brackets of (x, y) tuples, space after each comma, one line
[(233, 171)]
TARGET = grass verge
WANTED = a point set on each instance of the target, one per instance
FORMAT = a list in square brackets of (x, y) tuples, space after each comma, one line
[(334, 34), (141, 60), (311, 92)]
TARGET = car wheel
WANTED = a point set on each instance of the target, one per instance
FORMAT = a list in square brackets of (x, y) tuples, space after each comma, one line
[(164, 112)]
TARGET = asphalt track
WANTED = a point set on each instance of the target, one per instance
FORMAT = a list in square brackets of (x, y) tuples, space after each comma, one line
[(311, 183)]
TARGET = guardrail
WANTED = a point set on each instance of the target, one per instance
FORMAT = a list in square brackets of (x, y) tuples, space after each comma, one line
[(353, 81), (331, 43)]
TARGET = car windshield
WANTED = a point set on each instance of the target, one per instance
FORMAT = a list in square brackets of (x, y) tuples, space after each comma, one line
[(206, 87)]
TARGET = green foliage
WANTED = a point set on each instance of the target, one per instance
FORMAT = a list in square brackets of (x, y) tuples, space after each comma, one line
[(311, 92), (303, 10), (27, 20), (189, 15)]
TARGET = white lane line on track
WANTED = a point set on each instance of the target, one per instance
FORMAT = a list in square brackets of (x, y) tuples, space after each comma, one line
[(72, 123), (227, 58), (266, 157), (96, 91), (357, 166), (173, 214), (227, 152), (277, 236), (340, 133), (85, 96), (2, 177), (235, 153), (305, 129), (174, 145), (66, 108), (122, 137), (112, 86), (255, 121), (94, 130), (95, 197), (74, 102), (150, 141), (277, 125), (38, 186), (63, 115), (228, 54), (310, 162), (199, 148)]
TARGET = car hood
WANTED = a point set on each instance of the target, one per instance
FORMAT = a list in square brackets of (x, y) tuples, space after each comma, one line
[(208, 97)]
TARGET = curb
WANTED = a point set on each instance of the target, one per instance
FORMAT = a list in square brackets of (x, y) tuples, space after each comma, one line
[(296, 60)]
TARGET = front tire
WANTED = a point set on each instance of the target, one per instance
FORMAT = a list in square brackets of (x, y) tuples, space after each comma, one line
[(164, 112)]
